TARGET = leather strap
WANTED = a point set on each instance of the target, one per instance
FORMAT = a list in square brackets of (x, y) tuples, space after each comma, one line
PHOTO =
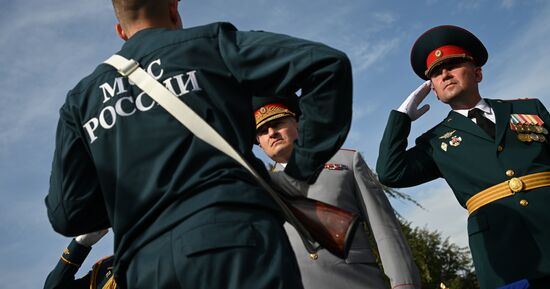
[(201, 129)]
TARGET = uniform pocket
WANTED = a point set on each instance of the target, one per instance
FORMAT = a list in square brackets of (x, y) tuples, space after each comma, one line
[(477, 223), (203, 255), (217, 236)]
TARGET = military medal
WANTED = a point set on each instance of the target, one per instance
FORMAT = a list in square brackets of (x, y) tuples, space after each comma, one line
[(540, 130), (529, 127), (444, 146), (455, 141), (447, 134), (524, 137)]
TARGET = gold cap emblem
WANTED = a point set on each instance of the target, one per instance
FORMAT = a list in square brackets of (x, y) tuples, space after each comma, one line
[(438, 53)]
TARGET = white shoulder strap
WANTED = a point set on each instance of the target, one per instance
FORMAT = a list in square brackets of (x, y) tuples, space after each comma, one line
[(200, 128)]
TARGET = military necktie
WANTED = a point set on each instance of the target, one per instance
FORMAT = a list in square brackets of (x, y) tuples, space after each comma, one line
[(486, 124)]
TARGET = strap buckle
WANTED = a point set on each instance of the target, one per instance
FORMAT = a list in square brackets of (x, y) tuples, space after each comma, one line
[(129, 67)]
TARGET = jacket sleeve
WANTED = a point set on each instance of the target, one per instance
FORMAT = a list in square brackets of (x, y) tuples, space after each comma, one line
[(394, 250), (75, 201), (543, 112), (398, 167), (63, 275), (269, 64)]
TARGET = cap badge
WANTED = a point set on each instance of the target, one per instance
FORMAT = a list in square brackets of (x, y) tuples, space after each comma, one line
[(438, 53)]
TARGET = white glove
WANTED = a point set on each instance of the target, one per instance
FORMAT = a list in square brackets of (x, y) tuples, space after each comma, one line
[(410, 105), (289, 185), (90, 239)]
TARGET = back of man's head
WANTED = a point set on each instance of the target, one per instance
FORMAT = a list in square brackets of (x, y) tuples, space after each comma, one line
[(130, 11)]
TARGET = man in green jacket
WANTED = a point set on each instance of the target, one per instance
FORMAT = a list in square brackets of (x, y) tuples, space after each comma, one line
[(185, 215), (63, 275), (494, 155)]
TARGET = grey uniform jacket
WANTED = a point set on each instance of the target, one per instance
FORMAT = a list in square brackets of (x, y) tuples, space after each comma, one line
[(347, 182)]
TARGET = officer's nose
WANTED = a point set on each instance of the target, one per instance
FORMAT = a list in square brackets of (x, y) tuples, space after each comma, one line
[(271, 131), (445, 73)]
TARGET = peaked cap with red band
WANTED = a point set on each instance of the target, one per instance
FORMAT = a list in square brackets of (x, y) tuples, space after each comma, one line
[(445, 42), (271, 108), (270, 112)]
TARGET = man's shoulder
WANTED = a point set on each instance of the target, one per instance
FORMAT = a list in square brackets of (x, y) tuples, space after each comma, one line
[(342, 156), (345, 152), (102, 72), (211, 28), (516, 101), (439, 130)]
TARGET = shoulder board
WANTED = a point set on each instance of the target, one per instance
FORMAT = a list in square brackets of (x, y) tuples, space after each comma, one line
[(516, 99), (106, 259), (350, 150)]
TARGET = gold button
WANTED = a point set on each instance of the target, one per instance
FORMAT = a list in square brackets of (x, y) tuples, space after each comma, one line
[(313, 256), (515, 184), (500, 148), (510, 173), (524, 203)]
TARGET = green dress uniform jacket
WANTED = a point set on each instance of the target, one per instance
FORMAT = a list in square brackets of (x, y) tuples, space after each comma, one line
[(509, 238), (121, 160), (63, 275)]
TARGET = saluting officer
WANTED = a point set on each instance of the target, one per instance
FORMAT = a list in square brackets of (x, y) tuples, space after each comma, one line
[(63, 275), (346, 182), (184, 214), (494, 154)]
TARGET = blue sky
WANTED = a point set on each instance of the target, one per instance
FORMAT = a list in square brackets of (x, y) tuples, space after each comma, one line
[(47, 46)]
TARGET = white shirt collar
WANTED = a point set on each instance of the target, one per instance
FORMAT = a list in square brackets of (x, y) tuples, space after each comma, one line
[(482, 104)]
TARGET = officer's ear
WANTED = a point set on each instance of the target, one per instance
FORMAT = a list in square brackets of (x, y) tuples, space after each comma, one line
[(120, 32), (174, 14), (478, 74)]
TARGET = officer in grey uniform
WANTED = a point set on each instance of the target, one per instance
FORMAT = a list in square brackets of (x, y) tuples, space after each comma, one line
[(347, 182), (185, 215)]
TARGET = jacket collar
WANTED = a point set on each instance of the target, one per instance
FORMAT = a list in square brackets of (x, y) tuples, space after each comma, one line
[(501, 109)]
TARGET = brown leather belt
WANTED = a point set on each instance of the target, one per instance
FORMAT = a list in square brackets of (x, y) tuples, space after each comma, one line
[(507, 188)]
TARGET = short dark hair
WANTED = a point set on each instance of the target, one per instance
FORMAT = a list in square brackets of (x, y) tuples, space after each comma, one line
[(131, 10)]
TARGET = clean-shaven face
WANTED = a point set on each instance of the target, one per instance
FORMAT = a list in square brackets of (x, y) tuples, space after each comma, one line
[(455, 82), (276, 138)]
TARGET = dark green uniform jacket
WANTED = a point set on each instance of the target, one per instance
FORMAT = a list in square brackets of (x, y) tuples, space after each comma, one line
[(63, 275), (123, 161), (508, 241)]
